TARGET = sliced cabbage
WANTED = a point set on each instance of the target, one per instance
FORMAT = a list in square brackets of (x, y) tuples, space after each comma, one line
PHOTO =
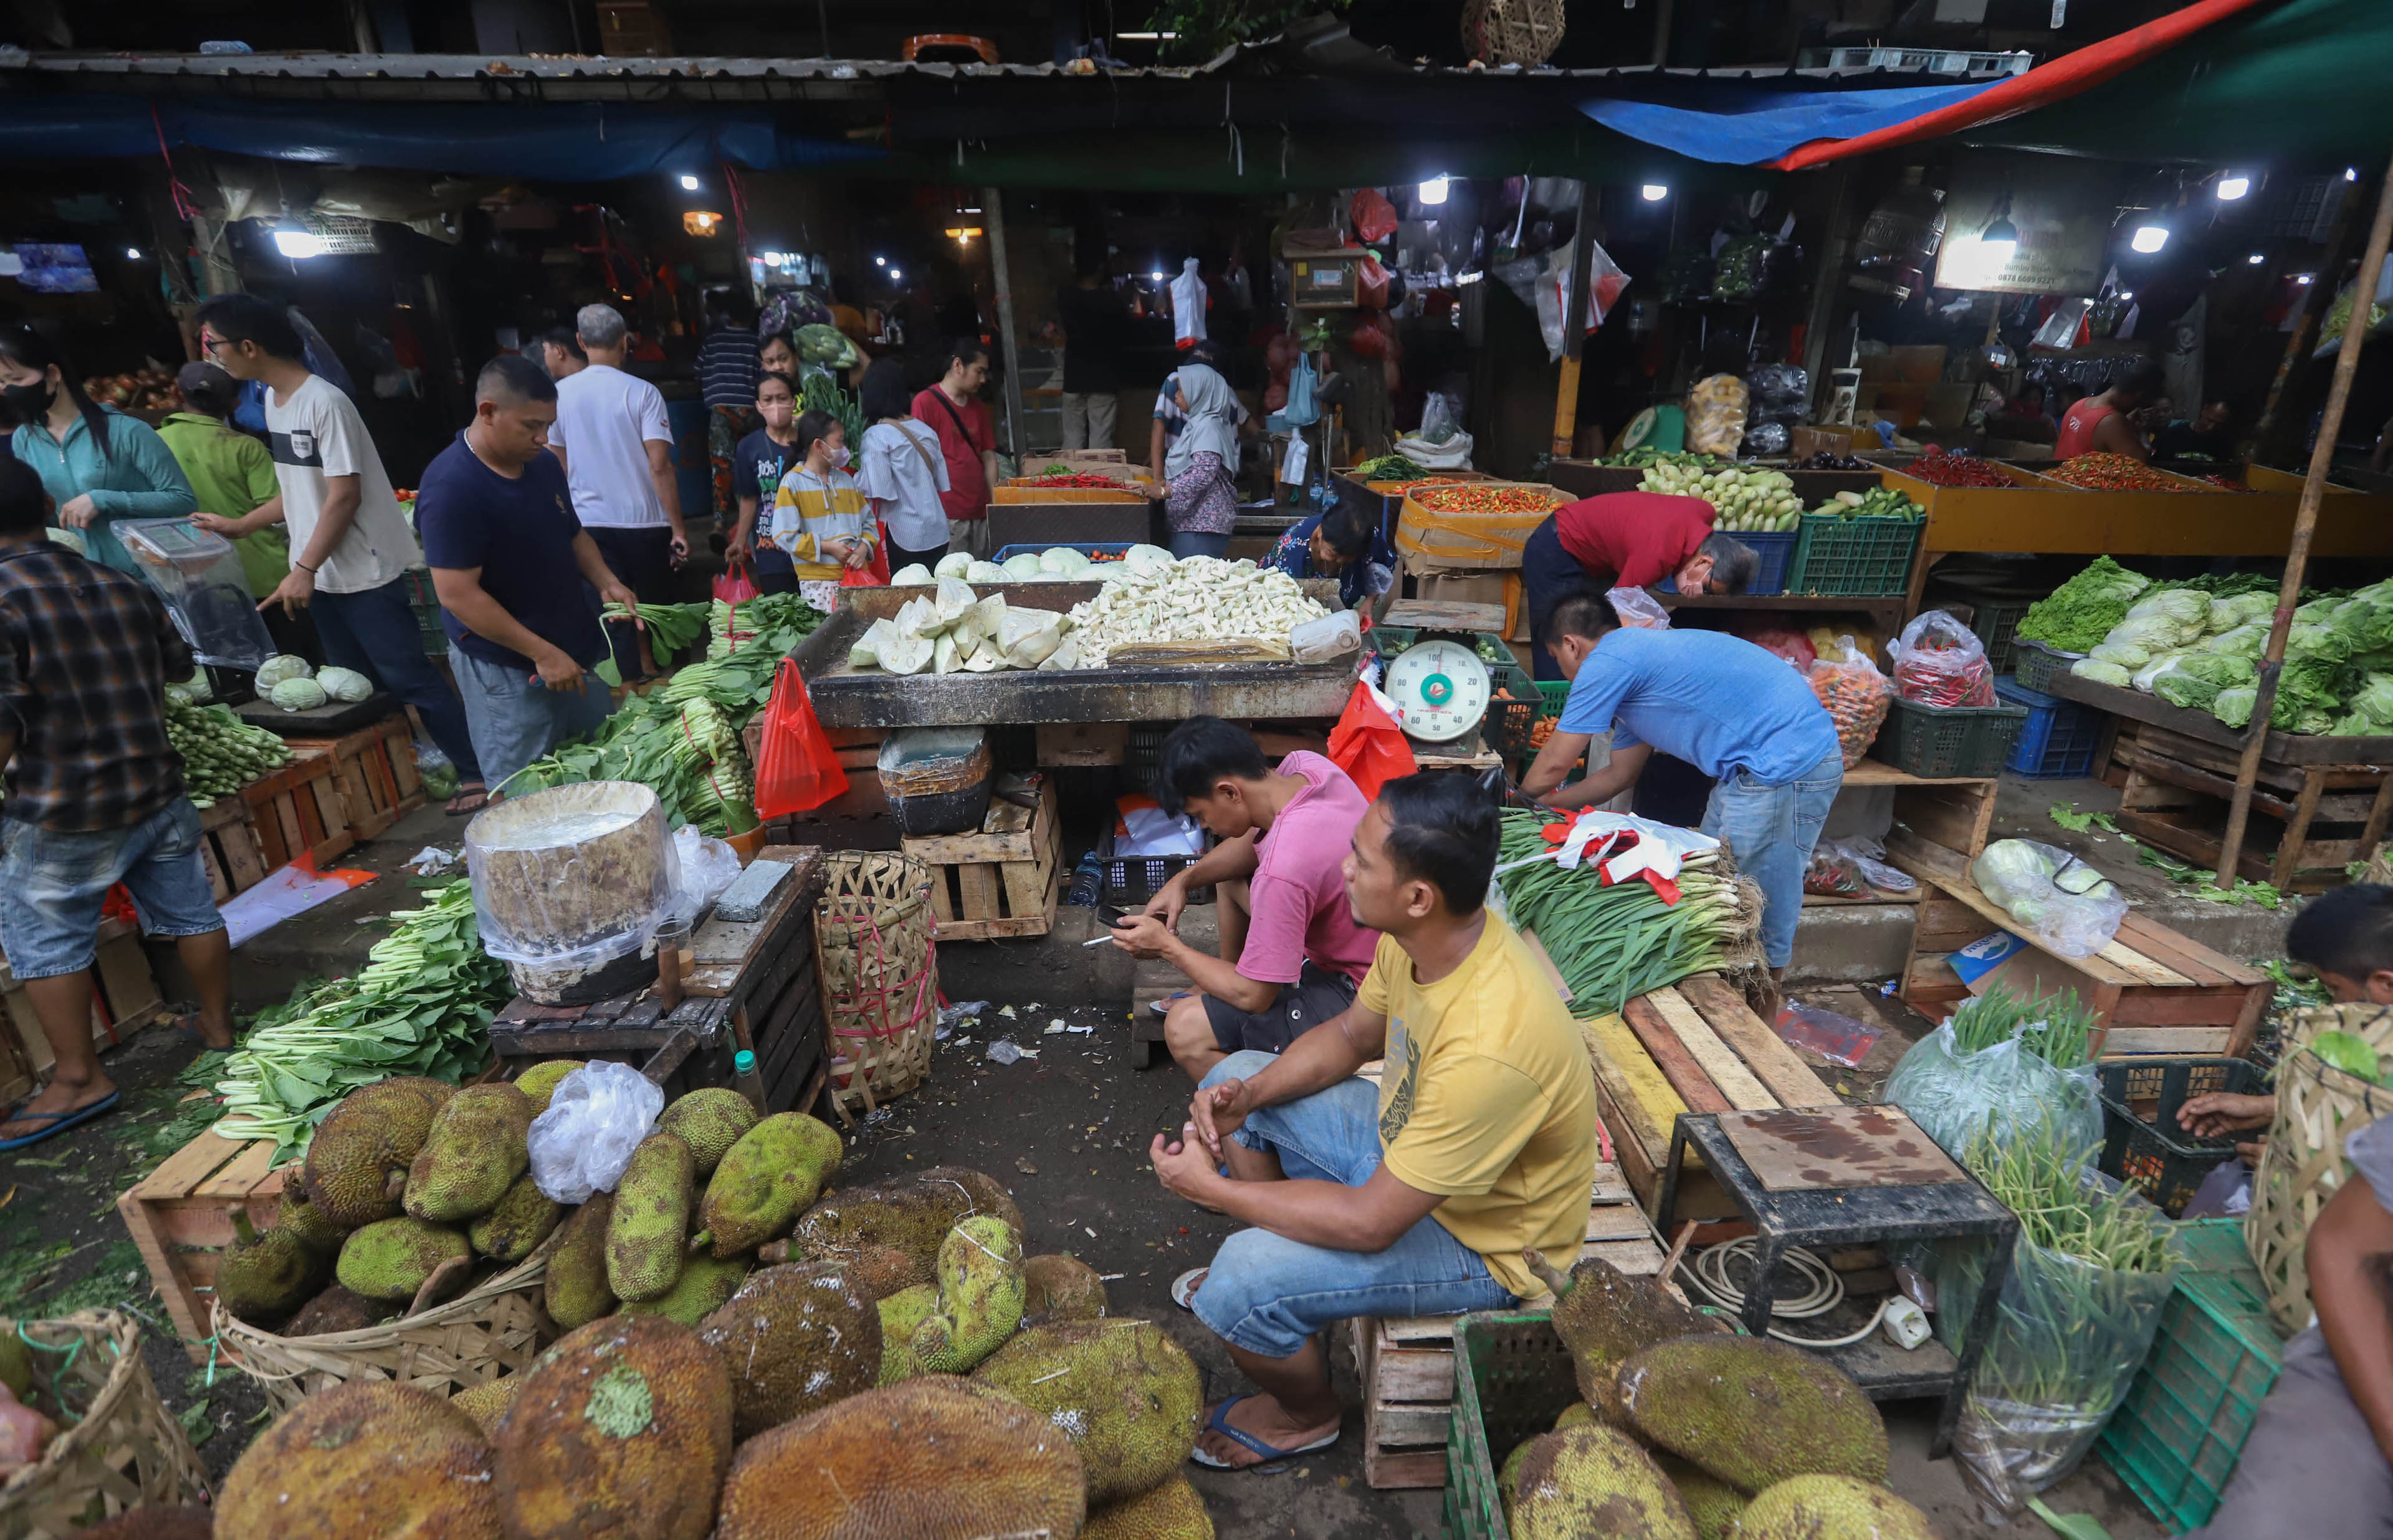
[(1146, 559), (878, 638), (907, 654), (943, 656), (1023, 566), (1029, 637), (280, 667), (915, 575), (955, 597), (296, 695), (1063, 561), (346, 684), (984, 572), (984, 658), (955, 563), (919, 617), (1066, 656), (982, 619), (2101, 672)]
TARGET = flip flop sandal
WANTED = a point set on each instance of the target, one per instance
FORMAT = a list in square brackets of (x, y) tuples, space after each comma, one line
[(60, 1122), (1163, 1006), (482, 795), (1219, 1423), (1184, 1288)]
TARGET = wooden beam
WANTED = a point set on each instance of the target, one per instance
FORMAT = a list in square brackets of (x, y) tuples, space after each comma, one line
[(1687, 1076), (1727, 1071)]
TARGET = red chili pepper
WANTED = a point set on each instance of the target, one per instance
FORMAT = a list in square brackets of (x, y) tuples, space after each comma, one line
[(2102, 472), (1478, 499), (1080, 478), (1941, 469)]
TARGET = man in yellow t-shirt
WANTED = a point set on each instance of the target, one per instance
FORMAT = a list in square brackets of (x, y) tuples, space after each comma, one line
[(1414, 1198)]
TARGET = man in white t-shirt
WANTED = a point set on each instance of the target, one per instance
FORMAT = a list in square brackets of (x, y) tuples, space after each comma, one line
[(618, 451), (351, 545)]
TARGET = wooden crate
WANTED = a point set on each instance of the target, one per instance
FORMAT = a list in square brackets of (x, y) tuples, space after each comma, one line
[(376, 766), (125, 998), (180, 1217), (1001, 882), (272, 821), (1082, 743), (2323, 816)]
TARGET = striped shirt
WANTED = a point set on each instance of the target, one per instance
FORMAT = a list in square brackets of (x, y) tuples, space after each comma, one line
[(726, 368)]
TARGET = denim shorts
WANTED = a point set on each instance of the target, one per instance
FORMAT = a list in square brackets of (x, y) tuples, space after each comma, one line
[(1770, 830), (1266, 1293), (1314, 998), (52, 883)]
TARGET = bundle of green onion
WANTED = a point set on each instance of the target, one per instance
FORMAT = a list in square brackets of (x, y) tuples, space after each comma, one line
[(1612, 942), (2057, 1028)]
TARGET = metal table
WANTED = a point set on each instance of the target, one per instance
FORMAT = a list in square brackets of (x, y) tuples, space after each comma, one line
[(1822, 1218)]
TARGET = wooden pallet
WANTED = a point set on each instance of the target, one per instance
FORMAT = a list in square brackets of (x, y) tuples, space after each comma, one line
[(272, 821), (1001, 882), (127, 999), (2154, 990), (376, 765), (2176, 796), (180, 1217)]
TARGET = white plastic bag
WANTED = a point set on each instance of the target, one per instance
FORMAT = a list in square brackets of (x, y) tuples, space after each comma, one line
[(1638, 609), (595, 1118), (2066, 904), (708, 866), (1187, 307)]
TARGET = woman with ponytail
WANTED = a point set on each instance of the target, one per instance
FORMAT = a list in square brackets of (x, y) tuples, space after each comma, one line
[(98, 464)]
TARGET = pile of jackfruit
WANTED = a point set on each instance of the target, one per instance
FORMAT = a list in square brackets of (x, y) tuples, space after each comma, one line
[(741, 1356), (1689, 1433)]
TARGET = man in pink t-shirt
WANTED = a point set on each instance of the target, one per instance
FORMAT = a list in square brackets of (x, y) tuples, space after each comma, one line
[(1290, 951)]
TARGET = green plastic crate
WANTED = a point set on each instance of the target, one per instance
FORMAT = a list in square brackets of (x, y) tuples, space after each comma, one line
[(2038, 664), (1513, 1377), (1862, 556), (1995, 622), (427, 604), (1945, 741)]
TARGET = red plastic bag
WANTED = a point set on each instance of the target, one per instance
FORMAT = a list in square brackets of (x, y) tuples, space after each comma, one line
[(735, 587), (1367, 744), (1372, 286), (1375, 217), (797, 770)]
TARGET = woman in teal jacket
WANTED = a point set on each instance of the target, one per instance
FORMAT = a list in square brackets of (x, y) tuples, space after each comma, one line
[(98, 464)]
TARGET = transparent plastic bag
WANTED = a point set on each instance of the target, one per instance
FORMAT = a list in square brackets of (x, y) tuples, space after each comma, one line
[(1856, 696), (1716, 415), (2064, 904), (571, 877), (1638, 609), (708, 866), (596, 1117), (207, 594), (1939, 662), (1832, 874), (2007, 1091)]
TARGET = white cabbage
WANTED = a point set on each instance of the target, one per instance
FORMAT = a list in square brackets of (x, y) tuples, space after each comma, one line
[(1023, 566), (280, 667), (955, 563), (346, 684), (1063, 561), (296, 695), (915, 575)]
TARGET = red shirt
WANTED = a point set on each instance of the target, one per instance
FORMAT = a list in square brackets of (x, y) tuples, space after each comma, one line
[(2077, 427), (967, 432), (1639, 538)]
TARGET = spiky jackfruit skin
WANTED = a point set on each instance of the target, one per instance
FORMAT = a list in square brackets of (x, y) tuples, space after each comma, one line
[(359, 1160), (1128, 1395), (926, 1460), (1831, 1507), (1577, 1411), (16, 1366), (487, 1403), (705, 1283), (539, 1082), (1172, 1511), (1056, 1288), (471, 1156), (622, 1428), (1710, 1502), (574, 1289), (796, 1337), (264, 1278), (901, 1314), (338, 1310), (650, 1226), (513, 1228), (1508, 1479), (710, 1121), (390, 1259), (155, 1524), (909, 1215), (767, 1178), (367, 1458), (306, 1223), (1607, 1315), (980, 1296), (1591, 1480), (1752, 1412)]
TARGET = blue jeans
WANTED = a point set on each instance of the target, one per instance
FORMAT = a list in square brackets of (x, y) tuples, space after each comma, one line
[(1770, 830), (515, 719), (1266, 1293), (52, 883), (374, 633), (1188, 543)]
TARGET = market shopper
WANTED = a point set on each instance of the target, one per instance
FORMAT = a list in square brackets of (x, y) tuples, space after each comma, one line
[(1416, 1196), (95, 797), (758, 463), (727, 385), (558, 352), (901, 469), (1290, 951), (1170, 419), (1340, 542), (1200, 494), (777, 355), (1096, 325), (1626, 539), (611, 436), (820, 516), (232, 473), (510, 561), (954, 411), (351, 543), (2106, 422), (1735, 711), (97, 464)]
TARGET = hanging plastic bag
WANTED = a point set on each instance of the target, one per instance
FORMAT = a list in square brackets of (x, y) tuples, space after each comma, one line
[(1716, 415), (1367, 744), (1374, 216), (1939, 662), (2008, 1091), (797, 770), (1188, 301), (1856, 696), (1370, 292), (1638, 609), (595, 1118), (2064, 904), (873, 573), (1302, 410)]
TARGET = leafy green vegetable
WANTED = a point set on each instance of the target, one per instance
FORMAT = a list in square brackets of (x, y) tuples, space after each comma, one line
[(2349, 1054), (2080, 612), (2205, 887), (2068, 817)]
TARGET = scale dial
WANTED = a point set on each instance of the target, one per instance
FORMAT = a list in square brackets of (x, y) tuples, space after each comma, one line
[(1440, 690)]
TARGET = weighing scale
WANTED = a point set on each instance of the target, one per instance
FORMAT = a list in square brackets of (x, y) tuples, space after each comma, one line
[(1441, 686)]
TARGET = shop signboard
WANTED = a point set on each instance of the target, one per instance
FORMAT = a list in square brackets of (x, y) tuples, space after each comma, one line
[(2028, 224)]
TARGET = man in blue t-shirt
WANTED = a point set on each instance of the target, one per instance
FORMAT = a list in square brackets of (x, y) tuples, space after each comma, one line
[(1735, 711), (510, 562)]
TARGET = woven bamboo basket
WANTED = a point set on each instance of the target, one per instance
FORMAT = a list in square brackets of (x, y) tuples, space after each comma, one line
[(1512, 31), (875, 936), (494, 1328), (2302, 1165), (125, 1450)]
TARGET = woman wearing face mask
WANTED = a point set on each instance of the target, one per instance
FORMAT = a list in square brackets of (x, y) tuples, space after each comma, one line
[(819, 516), (1199, 499), (98, 464), (757, 466)]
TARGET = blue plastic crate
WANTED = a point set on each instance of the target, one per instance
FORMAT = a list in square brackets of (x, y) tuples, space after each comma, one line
[(1776, 550), (2058, 738), (1093, 550)]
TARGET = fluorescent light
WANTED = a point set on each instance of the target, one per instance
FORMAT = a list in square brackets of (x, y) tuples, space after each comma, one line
[(1147, 38), (2301, 278), (2231, 187), (1468, 277), (2125, 294), (298, 243), (2255, 258), (688, 183), (1434, 189), (770, 259), (2149, 239), (1655, 192)]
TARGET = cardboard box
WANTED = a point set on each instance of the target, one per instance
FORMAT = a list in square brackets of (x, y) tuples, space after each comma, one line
[(1429, 539), (1476, 588), (126, 999)]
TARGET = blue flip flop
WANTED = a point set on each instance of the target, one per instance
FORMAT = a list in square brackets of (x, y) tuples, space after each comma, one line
[(1220, 1423), (60, 1122)]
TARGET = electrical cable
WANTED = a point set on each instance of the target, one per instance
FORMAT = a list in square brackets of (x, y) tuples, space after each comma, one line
[(1823, 1290)]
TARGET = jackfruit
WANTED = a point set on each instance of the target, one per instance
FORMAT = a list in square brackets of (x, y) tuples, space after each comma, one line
[(306, 1223), (539, 1083), (1712, 1502), (622, 1428), (651, 1220), (1058, 1287), (264, 1278), (926, 1460), (796, 1337), (1577, 1411), (1127, 1395), (704, 1283), (356, 1163), (575, 1285), (339, 1309), (488, 1402), (155, 1524), (16, 1366), (1172, 1511), (1508, 1479), (1831, 1507), (391, 1259), (471, 1156), (710, 1121), (366, 1458), (513, 1229), (1592, 1480), (1602, 1315), (901, 1314), (1752, 1412), (767, 1178), (911, 1214), (980, 1296)]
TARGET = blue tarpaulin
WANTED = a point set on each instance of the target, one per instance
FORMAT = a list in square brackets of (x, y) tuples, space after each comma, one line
[(1740, 125)]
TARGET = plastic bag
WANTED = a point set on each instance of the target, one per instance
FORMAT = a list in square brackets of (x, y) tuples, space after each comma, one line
[(1188, 300), (1374, 216), (1856, 696), (797, 770), (1367, 744), (708, 866), (596, 1117), (1542, 283), (2007, 1090), (1939, 662), (2064, 904), (1832, 874), (207, 594), (1638, 609), (1716, 415)]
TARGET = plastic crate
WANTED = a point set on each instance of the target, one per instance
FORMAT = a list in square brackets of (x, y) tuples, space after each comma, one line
[(426, 604), (2154, 1153), (1508, 725), (1938, 741), (2059, 740), (1776, 550), (1860, 556), (1135, 879), (1995, 621), (1513, 1377), (2039, 664), (1096, 550), (2177, 1433)]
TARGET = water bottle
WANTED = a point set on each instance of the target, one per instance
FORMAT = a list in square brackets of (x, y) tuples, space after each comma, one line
[(1088, 883), (751, 1084)]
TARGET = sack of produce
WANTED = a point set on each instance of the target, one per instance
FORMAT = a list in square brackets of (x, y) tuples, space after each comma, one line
[(1939, 662), (1856, 695), (2006, 1067), (2066, 904), (1716, 415)]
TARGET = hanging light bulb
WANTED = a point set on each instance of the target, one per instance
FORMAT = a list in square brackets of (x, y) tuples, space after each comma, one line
[(2149, 239), (1655, 192), (2231, 187), (1434, 189), (298, 243)]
